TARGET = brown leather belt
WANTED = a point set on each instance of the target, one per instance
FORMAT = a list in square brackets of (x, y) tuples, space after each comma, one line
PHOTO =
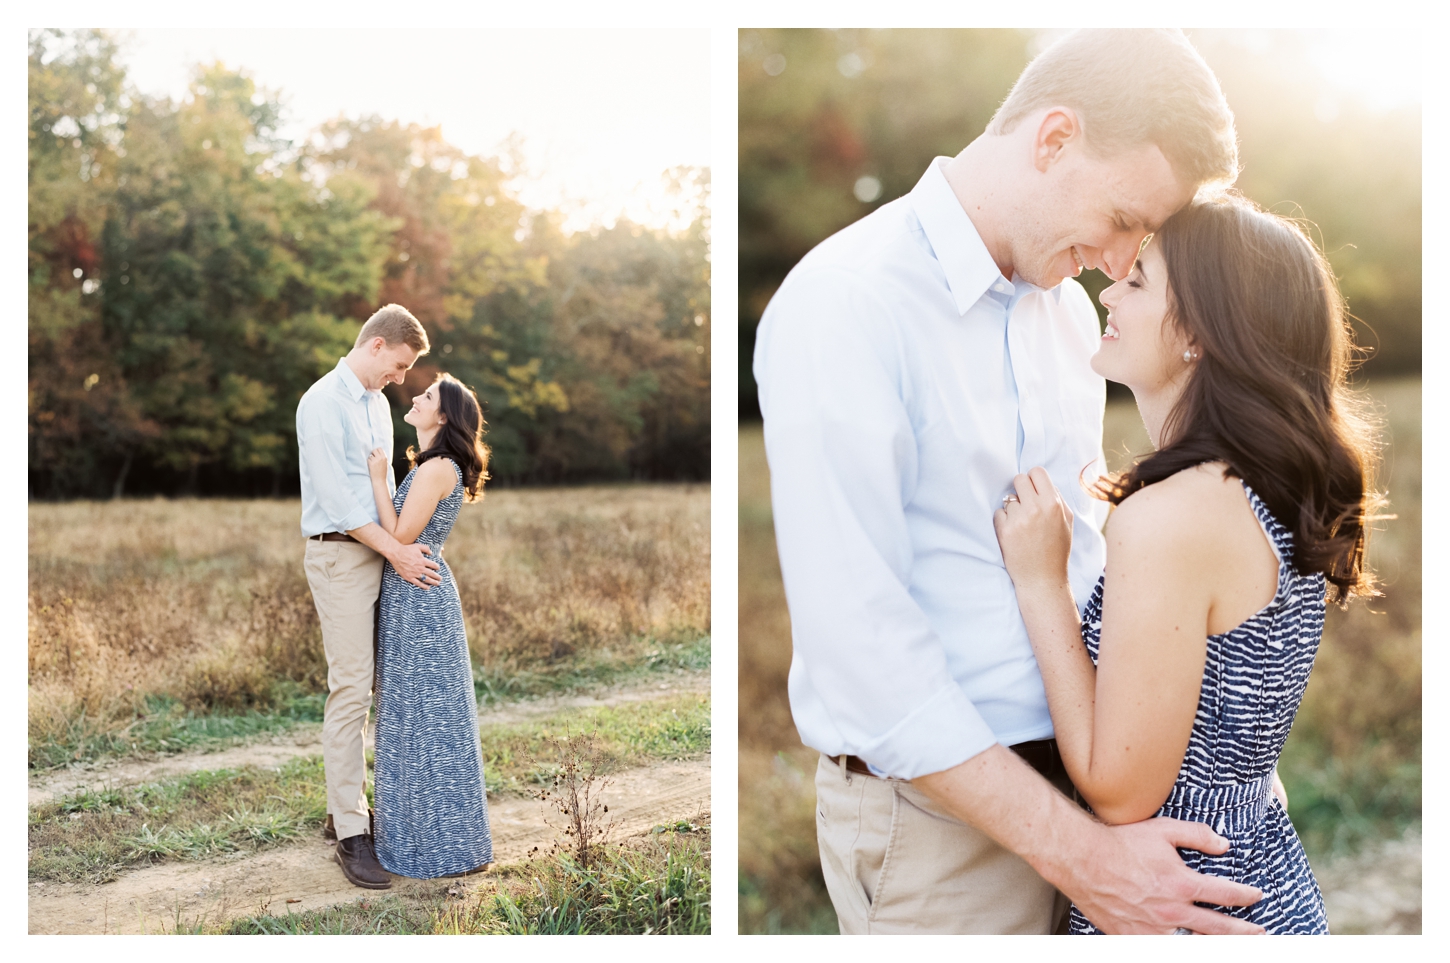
[(332, 537), (1041, 755)]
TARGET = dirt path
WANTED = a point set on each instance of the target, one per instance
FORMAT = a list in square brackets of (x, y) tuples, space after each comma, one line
[(1378, 890), (303, 876), (305, 740)]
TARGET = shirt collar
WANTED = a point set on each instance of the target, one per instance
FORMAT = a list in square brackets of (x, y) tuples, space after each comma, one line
[(353, 386), (969, 268)]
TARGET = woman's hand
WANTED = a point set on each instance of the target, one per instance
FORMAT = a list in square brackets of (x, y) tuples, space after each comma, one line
[(1034, 529), (378, 465)]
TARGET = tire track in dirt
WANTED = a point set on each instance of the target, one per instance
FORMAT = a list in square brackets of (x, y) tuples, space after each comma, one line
[(303, 876), (306, 740)]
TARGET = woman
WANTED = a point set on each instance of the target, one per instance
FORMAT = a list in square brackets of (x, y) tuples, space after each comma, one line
[(1174, 693), (431, 809)]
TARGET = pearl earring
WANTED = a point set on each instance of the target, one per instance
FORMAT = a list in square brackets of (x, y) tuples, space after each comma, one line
[(1188, 356)]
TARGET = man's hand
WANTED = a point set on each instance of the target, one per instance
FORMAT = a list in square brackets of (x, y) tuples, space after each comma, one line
[(1136, 882), (413, 565), (1126, 879)]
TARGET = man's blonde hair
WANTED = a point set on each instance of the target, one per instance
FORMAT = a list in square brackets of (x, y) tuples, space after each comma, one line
[(395, 324), (1130, 88)]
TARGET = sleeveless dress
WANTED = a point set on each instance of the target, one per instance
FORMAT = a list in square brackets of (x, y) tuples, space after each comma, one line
[(1253, 680), (431, 812)]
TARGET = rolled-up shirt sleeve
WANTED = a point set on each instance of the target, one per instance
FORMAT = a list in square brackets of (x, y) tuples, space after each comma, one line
[(869, 674), (322, 458)]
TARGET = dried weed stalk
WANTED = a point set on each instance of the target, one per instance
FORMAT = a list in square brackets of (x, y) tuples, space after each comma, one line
[(576, 793)]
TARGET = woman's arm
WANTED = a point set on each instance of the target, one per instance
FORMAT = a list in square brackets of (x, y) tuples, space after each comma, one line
[(378, 472), (433, 480), (1123, 727)]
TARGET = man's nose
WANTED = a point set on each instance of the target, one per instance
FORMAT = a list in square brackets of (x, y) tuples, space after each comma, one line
[(1118, 258)]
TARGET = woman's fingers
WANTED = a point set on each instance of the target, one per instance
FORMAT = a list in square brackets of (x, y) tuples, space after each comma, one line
[(1042, 482), (1035, 486)]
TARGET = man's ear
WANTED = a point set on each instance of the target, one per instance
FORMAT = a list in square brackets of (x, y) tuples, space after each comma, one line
[(1058, 128)]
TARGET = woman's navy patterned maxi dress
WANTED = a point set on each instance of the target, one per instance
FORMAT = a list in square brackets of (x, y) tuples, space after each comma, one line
[(431, 812), (1253, 679)]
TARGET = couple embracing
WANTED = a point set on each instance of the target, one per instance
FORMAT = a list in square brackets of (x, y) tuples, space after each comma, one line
[(390, 612), (1029, 723)]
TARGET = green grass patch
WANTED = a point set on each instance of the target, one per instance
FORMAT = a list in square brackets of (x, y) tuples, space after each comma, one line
[(94, 836), (519, 757), (591, 670), (162, 726), (655, 884)]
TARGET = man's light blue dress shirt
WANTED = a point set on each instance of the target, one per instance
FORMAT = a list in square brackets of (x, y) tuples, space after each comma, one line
[(338, 423), (904, 382)]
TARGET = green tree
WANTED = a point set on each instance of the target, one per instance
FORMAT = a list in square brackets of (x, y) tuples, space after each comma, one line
[(229, 275), (81, 414)]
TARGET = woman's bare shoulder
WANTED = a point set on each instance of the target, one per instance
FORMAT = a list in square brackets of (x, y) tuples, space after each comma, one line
[(437, 474), (1189, 508)]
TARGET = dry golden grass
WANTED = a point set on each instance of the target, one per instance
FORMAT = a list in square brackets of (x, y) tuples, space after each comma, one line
[(205, 601), (1352, 764)]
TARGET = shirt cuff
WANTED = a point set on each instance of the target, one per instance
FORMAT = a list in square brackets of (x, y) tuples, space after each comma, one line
[(945, 731), (356, 519)]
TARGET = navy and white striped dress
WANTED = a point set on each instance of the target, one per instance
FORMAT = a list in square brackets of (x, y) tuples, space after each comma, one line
[(1253, 680), (431, 811)]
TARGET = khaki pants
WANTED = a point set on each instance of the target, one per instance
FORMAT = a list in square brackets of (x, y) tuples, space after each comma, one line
[(345, 578), (895, 863)]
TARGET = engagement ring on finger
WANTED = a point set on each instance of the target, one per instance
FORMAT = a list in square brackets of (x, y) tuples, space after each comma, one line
[(1009, 498), (1181, 931)]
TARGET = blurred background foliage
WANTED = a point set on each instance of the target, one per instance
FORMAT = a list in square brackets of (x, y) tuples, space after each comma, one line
[(834, 123), (191, 274)]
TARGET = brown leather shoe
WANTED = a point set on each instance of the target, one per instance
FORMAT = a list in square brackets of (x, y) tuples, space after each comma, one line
[(329, 831), (359, 864)]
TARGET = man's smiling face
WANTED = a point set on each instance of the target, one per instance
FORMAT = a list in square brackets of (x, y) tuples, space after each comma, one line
[(1094, 212)]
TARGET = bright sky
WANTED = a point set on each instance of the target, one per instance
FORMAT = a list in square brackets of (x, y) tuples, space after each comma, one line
[(1375, 66), (602, 113)]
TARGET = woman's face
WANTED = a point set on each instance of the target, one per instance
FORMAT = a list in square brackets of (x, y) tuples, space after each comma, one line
[(424, 415), (1140, 347)]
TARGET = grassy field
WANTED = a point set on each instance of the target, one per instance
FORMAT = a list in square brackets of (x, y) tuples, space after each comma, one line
[(1352, 764), (156, 626)]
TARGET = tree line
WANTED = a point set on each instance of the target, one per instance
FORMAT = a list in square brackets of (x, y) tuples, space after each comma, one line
[(834, 123), (191, 273)]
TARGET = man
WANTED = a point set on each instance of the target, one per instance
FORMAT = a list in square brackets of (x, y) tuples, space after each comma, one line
[(909, 367), (340, 419)]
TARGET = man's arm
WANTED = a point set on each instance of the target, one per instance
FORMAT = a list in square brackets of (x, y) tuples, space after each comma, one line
[(411, 561), (1126, 879), (869, 674)]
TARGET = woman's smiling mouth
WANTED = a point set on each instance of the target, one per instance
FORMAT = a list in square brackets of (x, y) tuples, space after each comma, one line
[(1110, 333)]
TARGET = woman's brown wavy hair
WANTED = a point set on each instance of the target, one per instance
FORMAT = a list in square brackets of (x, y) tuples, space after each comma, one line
[(1268, 394), (460, 437)]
